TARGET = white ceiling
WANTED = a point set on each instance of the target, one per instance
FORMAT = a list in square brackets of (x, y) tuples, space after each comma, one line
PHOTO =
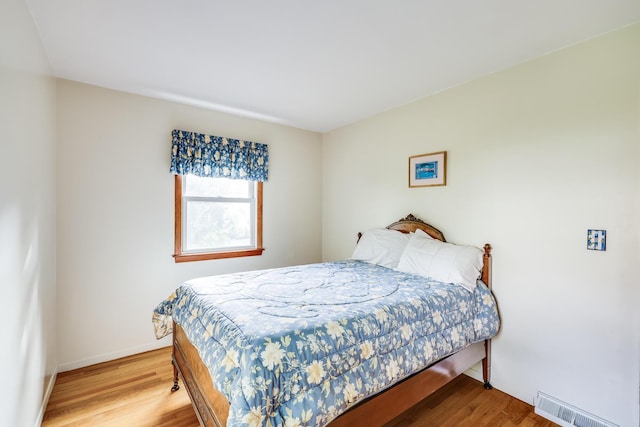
[(315, 65)]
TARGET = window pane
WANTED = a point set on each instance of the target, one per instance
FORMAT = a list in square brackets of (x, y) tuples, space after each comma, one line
[(212, 225), (216, 187)]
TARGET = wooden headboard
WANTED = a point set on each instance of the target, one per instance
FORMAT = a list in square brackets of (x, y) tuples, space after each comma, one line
[(410, 223)]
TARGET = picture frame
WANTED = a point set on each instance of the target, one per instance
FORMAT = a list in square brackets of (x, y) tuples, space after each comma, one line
[(428, 170)]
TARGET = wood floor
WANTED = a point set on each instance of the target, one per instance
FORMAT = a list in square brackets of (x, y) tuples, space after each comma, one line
[(134, 391)]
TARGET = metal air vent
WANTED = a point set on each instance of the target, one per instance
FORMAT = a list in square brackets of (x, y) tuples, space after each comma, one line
[(566, 415)]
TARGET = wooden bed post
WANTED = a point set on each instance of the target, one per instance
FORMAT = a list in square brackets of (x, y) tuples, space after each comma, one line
[(486, 265), (176, 386), (486, 278)]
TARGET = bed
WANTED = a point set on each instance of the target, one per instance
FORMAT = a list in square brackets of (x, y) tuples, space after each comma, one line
[(347, 343)]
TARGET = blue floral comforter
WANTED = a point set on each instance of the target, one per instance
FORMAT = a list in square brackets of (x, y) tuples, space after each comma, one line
[(297, 346)]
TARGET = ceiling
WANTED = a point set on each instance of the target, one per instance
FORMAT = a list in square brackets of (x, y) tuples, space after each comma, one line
[(314, 65)]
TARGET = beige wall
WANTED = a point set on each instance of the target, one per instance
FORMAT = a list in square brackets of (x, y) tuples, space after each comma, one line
[(27, 218), (537, 154), (115, 213)]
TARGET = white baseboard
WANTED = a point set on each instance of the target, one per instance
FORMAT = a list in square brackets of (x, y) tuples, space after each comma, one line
[(45, 399), (475, 372), (164, 342)]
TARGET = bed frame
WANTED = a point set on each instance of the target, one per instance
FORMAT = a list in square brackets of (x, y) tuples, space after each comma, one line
[(212, 407)]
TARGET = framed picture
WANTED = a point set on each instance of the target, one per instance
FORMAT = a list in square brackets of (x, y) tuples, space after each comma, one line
[(428, 170)]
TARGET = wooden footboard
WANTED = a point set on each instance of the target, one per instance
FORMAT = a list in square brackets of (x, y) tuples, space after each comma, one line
[(212, 407)]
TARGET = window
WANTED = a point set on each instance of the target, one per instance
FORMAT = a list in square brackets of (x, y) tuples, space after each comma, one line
[(217, 218)]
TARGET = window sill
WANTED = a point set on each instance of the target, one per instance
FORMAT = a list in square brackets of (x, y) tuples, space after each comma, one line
[(217, 255)]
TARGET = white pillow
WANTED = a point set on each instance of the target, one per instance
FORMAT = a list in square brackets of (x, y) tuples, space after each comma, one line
[(444, 262), (381, 246)]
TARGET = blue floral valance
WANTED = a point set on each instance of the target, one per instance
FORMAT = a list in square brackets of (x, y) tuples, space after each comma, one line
[(217, 156)]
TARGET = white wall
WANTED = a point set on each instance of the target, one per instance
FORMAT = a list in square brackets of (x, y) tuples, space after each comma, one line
[(27, 218), (116, 211), (537, 154)]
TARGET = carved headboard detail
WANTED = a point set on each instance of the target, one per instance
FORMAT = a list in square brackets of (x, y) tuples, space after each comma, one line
[(410, 223)]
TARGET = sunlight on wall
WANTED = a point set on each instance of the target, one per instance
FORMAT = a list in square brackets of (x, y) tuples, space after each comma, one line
[(20, 278)]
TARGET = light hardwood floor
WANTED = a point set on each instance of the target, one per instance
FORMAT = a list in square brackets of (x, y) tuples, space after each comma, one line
[(134, 391)]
